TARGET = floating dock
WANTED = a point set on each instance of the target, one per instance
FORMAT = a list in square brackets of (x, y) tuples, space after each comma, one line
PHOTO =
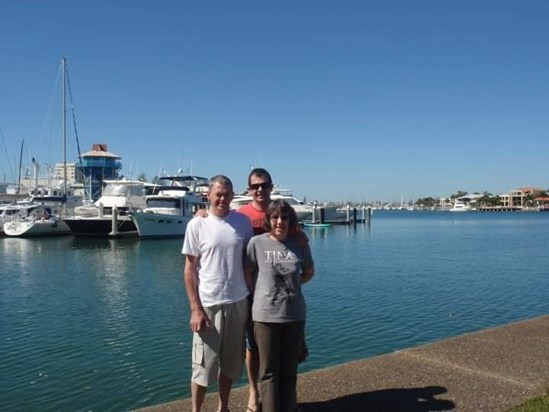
[(349, 216)]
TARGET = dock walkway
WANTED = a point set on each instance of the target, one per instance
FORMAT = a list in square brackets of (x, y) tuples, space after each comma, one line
[(491, 370)]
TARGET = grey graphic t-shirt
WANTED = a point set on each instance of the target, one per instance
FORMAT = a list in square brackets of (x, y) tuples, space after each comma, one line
[(277, 276)]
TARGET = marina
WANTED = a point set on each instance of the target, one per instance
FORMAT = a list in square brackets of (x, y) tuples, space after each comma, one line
[(102, 324)]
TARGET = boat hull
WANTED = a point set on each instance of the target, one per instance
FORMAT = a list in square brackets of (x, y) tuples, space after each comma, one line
[(45, 227), (461, 209), (101, 226), (157, 225)]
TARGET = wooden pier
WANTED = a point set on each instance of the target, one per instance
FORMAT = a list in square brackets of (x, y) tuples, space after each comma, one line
[(499, 209)]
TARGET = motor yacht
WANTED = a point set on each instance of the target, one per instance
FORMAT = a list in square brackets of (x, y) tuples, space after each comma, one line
[(465, 203), (170, 208), (109, 216)]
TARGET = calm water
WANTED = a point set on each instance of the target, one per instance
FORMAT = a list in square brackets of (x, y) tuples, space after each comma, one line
[(102, 325)]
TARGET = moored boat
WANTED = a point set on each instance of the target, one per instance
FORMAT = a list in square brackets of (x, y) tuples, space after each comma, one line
[(8, 213), (109, 215), (466, 203), (303, 210), (171, 207), (36, 220)]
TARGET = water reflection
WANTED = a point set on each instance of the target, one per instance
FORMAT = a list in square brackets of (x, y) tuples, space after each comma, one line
[(317, 232), (358, 228), (21, 254), (103, 243)]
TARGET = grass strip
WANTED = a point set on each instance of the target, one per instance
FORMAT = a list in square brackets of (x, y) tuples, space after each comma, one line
[(538, 404)]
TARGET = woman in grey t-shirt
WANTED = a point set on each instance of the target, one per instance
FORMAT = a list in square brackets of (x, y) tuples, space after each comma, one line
[(276, 267)]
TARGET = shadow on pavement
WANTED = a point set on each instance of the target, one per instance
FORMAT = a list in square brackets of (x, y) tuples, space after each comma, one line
[(390, 400)]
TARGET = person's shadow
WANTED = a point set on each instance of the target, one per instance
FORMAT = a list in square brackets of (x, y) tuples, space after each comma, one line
[(389, 400)]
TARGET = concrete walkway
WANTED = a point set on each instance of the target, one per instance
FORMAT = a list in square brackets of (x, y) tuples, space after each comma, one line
[(491, 370)]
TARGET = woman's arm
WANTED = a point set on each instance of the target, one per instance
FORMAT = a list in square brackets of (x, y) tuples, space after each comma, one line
[(307, 274)]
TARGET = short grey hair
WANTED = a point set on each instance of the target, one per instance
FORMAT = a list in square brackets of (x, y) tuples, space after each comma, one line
[(222, 180)]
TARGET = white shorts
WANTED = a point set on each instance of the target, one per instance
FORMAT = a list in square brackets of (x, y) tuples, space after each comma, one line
[(221, 347)]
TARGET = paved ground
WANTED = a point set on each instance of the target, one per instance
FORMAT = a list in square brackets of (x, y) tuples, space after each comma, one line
[(491, 370)]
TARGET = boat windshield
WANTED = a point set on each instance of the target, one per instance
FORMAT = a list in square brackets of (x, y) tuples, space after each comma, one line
[(163, 203), (123, 190), (9, 212)]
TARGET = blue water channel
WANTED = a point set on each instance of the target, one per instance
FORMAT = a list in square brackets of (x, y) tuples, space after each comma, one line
[(102, 325)]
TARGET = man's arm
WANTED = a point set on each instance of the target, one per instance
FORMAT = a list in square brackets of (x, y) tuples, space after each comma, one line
[(199, 319)]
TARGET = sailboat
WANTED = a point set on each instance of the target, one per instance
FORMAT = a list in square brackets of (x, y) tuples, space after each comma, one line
[(41, 216)]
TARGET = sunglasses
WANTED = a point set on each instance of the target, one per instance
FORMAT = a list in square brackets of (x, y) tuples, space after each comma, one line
[(284, 218), (264, 186)]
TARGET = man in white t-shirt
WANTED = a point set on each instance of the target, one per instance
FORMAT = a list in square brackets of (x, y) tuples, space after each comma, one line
[(217, 292)]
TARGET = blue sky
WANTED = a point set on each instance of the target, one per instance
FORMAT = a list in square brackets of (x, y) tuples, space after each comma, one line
[(340, 100)]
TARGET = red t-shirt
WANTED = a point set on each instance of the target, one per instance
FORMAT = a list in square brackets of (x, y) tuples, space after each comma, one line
[(257, 217)]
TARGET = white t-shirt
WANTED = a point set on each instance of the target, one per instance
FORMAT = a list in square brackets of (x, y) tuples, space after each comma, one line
[(219, 243)]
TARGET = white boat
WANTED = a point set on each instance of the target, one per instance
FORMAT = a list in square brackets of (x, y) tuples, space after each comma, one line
[(109, 216), (64, 198), (36, 220), (303, 210), (170, 208), (40, 215), (8, 213), (465, 203), (53, 200), (240, 200), (460, 207)]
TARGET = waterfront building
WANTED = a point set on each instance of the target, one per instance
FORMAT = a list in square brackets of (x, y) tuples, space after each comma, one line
[(71, 171), (517, 198)]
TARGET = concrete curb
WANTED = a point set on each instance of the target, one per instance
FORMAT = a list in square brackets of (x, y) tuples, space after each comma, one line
[(491, 370)]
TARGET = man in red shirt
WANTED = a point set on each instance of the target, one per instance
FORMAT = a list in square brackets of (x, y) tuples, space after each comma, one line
[(260, 186)]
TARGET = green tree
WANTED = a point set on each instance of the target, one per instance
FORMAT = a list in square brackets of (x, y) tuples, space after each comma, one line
[(488, 200), (459, 193), (427, 202)]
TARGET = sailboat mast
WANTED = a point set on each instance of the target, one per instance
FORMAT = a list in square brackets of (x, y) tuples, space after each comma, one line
[(20, 167), (64, 127)]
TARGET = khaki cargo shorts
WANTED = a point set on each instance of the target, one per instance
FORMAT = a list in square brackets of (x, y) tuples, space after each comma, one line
[(221, 347)]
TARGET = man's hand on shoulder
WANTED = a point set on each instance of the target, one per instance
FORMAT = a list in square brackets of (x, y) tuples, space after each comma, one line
[(201, 213)]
